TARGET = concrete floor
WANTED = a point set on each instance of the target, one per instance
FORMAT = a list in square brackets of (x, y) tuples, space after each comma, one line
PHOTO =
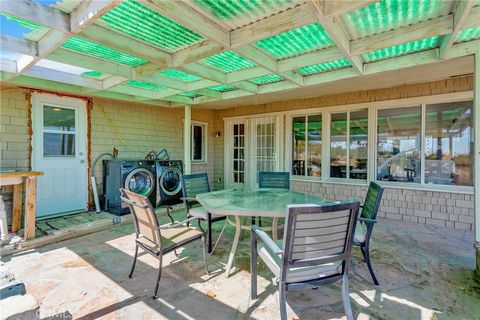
[(424, 273)]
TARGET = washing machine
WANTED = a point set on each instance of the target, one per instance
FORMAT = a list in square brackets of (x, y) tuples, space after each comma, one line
[(169, 182), (138, 176)]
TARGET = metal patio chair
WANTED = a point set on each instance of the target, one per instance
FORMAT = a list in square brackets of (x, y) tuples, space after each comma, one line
[(315, 250), (366, 222), (155, 239), (275, 180), (193, 184)]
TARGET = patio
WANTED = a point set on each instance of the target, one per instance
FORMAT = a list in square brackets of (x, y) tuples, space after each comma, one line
[(86, 277)]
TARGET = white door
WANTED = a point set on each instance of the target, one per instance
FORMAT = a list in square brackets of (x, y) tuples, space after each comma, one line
[(251, 146), (59, 150)]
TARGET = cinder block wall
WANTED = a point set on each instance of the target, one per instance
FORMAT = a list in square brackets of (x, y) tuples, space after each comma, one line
[(142, 127), (445, 209)]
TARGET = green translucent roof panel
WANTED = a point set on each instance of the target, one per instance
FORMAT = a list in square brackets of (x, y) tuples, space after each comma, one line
[(136, 20), (37, 31), (295, 42), (179, 75), (144, 85), (266, 79), (322, 67), (391, 14), (222, 88), (229, 9), (402, 49), (229, 61), (469, 34), (87, 47), (189, 94), (94, 74)]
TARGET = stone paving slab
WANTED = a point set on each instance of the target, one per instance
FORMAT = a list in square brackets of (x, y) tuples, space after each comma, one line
[(424, 273)]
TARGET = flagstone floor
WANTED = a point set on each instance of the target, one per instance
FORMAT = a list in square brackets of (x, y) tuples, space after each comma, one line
[(424, 273)]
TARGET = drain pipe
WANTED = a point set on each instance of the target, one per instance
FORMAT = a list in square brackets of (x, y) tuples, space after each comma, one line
[(94, 181)]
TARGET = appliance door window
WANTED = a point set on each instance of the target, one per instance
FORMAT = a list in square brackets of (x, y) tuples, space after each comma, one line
[(140, 181), (170, 181)]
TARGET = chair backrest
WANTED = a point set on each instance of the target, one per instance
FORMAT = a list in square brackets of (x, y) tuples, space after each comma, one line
[(144, 218), (319, 234), (372, 201), (279, 180), (193, 184)]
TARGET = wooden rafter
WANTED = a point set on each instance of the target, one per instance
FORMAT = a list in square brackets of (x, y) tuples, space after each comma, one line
[(460, 15), (333, 8)]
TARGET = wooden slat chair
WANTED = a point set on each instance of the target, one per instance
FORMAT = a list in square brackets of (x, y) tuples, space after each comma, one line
[(366, 222), (193, 184), (315, 250), (155, 239), (275, 180)]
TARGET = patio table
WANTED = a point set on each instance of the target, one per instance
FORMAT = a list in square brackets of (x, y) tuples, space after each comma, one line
[(242, 202)]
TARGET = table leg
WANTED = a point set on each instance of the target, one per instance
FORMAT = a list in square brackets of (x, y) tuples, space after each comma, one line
[(234, 246), (17, 207), (275, 228), (30, 207)]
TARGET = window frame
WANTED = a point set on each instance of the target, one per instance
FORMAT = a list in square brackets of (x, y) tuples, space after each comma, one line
[(306, 176), (372, 108), (204, 126)]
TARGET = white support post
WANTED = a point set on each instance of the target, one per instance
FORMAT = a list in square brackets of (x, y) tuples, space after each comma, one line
[(187, 132), (476, 112)]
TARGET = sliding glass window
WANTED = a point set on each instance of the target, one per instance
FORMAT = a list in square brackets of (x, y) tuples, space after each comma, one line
[(399, 144), (348, 145), (307, 146), (449, 144)]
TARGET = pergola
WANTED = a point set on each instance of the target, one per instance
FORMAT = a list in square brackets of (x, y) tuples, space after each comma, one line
[(173, 53)]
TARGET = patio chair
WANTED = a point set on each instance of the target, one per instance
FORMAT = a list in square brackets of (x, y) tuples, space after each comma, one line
[(154, 239), (366, 222), (193, 184), (275, 180), (315, 250)]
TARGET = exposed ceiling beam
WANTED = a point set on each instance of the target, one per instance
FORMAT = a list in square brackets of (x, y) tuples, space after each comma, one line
[(335, 30), (7, 67), (17, 45), (247, 86), (460, 15), (247, 74), (63, 77), (200, 84), (185, 15), (308, 59), (333, 8), (204, 72), (282, 22), (209, 93), (196, 52)]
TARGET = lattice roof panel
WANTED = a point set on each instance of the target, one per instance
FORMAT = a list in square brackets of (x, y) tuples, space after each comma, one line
[(229, 61), (468, 35), (144, 85), (392, 14), (296, 42), (402, 49), (189, 94), (179, 75), (142, 23), (271, 78), (97, 50), (36, 31), (222, 88), (323, 67)]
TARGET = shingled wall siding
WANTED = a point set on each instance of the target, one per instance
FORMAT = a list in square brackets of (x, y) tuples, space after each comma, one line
[(143, 128), (445, 209), (442, 209)]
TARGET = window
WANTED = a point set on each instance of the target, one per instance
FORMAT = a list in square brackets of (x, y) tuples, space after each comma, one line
[(307, 146), (199, 142), (239, 153), (58, 132), (348, 145), (399, 144), (449, 144)]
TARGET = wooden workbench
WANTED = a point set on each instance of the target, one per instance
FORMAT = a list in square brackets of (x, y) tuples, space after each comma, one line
[(16, 178)]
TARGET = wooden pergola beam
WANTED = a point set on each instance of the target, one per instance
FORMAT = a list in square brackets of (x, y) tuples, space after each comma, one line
[(460, 15), (333, 8)]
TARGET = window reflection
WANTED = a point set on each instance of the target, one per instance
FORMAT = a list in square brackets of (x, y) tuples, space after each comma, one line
[(314, 145), (358, 144), (298, 146), (448, 144), (398, 144), (338, 145)]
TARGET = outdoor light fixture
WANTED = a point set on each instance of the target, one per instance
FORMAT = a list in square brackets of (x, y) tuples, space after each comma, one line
[(218, 134)]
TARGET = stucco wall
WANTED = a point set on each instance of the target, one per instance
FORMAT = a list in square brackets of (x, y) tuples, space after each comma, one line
[(142, 127)]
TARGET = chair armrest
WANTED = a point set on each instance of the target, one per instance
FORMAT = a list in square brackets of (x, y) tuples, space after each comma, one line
[(267, 240), (367, 220), (178, 223), (189, 199)]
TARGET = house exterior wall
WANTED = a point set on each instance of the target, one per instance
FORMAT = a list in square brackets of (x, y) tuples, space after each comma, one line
[(439, 208), (142, 127)]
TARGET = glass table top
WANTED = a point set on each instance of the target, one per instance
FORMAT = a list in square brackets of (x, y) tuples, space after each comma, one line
[(258, 202)]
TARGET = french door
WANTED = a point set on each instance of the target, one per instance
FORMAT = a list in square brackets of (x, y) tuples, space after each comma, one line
[(252, 145)]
